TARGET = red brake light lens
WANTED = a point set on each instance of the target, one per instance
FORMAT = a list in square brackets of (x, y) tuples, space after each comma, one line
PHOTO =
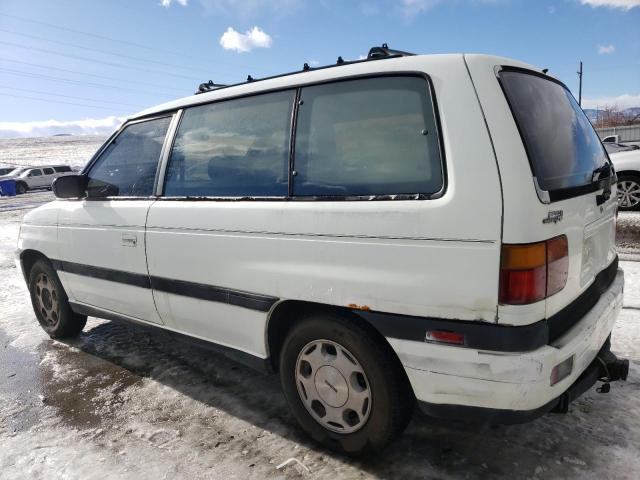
[(532, 272), (442, 336)]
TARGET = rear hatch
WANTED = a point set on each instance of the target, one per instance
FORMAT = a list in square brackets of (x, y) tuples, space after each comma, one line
[(560, 182)]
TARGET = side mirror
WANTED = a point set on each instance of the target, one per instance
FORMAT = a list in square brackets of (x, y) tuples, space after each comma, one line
[(70, 186)]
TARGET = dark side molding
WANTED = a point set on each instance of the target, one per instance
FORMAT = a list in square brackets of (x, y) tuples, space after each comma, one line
[(253, 301)]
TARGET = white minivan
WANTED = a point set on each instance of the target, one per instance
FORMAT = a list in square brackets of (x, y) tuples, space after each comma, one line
[(434, 230)]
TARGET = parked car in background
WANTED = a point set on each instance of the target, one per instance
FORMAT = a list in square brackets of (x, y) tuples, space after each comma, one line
[(627, 165), (5, 170), (619, 147), (31, 178)]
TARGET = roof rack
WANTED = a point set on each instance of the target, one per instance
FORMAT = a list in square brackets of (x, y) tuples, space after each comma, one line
[(208, 86), (375, 53), (385, 52)]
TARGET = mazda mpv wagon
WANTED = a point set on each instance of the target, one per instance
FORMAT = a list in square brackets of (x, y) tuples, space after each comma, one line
[(434, 230)]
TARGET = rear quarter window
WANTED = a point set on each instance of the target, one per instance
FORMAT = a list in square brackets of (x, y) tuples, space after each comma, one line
[(373, 136), (562, 146)]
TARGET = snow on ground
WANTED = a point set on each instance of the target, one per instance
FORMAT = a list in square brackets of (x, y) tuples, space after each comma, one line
[(63, 150), (124, 402)]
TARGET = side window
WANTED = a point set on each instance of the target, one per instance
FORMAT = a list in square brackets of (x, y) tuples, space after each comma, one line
[(234, 148), (62, 169), (34, 173), (127, 167), (48, 171), (374, 136)]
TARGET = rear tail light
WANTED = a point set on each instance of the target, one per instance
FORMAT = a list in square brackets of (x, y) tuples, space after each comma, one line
[(534, 271)]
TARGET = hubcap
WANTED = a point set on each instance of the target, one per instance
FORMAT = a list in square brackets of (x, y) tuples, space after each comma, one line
[(333, 386), (628, 193), (47, 300)]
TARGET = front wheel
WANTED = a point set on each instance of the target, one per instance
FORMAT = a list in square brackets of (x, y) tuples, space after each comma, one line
[(50, 303), (628, 192), (344, 385)]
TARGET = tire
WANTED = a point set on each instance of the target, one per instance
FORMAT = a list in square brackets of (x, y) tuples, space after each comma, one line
[(21, 188), (51, 304), (628, 192), (355, 378)]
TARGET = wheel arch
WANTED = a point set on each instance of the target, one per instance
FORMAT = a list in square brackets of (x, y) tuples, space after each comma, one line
[(285, 314), (28, 258)]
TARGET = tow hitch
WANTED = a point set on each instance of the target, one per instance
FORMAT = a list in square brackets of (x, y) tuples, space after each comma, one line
[(606, 368), (611, 369)]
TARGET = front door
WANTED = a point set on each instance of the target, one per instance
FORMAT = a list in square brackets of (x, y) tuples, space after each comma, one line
[(102, 237)]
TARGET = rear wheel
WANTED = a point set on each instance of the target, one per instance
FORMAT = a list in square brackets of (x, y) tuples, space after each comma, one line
[(21, 188), (50, 303), (628, 192), (343, 385)]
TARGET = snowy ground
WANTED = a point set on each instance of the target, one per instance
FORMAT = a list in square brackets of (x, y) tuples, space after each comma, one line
[(63, 150), (123, 402)]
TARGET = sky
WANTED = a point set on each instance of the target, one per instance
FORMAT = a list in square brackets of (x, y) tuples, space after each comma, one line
[(81, 66)]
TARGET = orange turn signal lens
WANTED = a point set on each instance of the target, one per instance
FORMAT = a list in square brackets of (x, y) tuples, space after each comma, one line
[(534, 271)]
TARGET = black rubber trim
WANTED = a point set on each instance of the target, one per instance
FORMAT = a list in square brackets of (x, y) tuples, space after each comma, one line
[(118, 276), (478, 335), (565, 319), (262, 365), (253, 301)]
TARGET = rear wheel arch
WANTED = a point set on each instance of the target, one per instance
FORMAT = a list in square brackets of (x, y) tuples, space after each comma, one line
[(287, 313)]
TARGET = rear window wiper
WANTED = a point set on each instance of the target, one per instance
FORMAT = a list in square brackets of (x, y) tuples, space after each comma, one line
[(602, 172)]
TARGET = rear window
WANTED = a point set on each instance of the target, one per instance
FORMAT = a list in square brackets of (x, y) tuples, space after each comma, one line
[(563, 148), (48, 171), (374, 136)]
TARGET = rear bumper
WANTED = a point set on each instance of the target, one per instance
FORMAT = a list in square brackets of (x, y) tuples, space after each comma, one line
[(507, 387), (584, 382)]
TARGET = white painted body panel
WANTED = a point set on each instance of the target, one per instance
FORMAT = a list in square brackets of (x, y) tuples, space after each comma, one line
[(590, 230), (407, 257), (91, 232)]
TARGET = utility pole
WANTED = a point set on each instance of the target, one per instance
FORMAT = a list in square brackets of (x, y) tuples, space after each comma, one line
[(580, 87)]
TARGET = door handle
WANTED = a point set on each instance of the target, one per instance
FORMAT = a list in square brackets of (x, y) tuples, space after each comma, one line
[(129, 239)]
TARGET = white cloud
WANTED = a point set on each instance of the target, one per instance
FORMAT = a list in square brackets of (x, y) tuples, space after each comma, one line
[(606, 49), (167, 3), (621, 4), (45, 128), (621, 101), (245, 42)]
